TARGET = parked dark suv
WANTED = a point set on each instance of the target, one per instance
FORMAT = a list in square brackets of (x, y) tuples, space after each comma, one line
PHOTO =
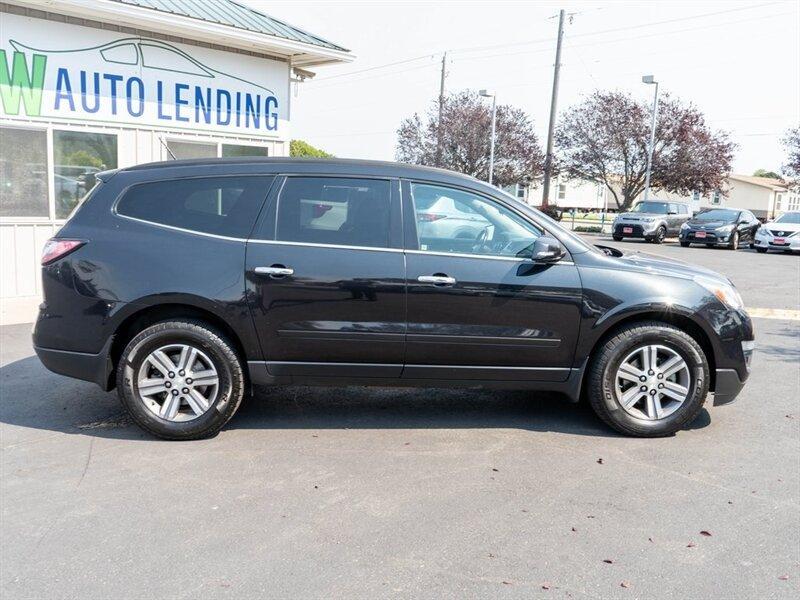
[(185, 283)]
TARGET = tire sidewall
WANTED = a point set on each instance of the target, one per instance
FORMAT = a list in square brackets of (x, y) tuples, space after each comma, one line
[(157, 336), (699, 382)]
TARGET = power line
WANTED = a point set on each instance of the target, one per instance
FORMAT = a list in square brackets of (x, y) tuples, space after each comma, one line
[(544, 40)]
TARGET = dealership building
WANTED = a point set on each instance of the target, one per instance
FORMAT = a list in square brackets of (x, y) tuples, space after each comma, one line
[(92, 85)]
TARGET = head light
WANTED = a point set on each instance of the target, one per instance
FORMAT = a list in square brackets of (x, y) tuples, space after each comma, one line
[(724, 292), (725, 228)]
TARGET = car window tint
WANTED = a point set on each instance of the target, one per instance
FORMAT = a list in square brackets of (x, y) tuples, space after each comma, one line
[(333, 210), (450, 220), (226, 206)]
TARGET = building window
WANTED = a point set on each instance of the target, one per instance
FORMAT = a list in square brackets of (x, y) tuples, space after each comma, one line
[(23, 172), (562, 191), (716, 198), (778, 201), (77, 156), (182, 150), (241, 150)]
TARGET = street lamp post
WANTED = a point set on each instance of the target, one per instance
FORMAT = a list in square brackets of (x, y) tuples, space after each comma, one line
[(650, 80), (493, 96)]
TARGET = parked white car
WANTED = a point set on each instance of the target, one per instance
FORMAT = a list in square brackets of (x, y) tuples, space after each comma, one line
[(781, 234)]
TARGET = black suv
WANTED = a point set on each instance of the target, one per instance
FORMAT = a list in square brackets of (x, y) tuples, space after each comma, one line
[(185, 283)]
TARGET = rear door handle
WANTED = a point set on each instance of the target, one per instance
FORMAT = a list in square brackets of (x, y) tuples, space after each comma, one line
[(274, 271), (437, 279)]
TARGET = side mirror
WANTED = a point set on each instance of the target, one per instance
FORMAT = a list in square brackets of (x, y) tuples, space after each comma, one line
[(547, 249)]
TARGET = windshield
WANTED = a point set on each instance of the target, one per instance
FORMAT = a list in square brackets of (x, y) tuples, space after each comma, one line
[(792, 218), (717, 214), (651, 207)]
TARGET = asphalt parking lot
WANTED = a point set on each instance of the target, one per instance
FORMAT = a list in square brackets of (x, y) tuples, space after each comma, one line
[(312, 493)]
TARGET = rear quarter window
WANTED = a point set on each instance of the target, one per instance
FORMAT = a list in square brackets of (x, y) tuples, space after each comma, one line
[(226, 206)]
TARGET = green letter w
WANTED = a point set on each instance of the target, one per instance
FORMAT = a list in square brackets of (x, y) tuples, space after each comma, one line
[(22, 84)]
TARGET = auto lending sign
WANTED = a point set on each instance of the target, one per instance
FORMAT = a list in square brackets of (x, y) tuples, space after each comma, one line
[(55, 71)]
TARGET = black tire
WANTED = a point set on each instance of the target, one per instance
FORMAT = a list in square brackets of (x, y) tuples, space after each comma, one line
[(752, 246), (616, 238), (215, 346), (685, 244), (661, 233), (761, 250), (735, 241), (607, 358)]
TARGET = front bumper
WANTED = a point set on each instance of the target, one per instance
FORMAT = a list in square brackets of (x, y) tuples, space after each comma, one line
[(711, 237), (728, 385), (639, 230), (790, 243)]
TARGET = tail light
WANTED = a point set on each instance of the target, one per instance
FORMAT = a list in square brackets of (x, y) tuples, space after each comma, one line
[(429, 217), (56, 248)]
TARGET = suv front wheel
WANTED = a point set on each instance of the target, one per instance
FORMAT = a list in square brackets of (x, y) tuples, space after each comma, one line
[(650, 379), (180, 380)]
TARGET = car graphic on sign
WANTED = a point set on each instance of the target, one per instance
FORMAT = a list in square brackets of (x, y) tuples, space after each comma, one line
[(145, 53)]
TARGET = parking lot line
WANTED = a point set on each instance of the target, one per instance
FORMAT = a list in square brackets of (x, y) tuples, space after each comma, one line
[(784, 314)]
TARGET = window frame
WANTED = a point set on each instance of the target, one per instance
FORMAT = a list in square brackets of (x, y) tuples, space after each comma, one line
[(411, 237), (267, 194), (266, 228)]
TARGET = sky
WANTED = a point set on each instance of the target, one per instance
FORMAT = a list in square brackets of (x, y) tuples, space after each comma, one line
[(739, 62)]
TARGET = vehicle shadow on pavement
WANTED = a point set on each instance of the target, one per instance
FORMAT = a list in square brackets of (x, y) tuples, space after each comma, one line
[(34, 398)]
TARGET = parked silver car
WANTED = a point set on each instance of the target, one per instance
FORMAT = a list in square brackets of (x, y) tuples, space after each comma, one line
[(652, 221)]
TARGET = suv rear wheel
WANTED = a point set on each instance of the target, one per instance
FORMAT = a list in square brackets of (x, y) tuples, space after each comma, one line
[(180, 380), (649, 380)]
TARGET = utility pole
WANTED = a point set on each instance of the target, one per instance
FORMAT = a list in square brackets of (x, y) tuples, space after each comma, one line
[(441, 110), (548, 160)]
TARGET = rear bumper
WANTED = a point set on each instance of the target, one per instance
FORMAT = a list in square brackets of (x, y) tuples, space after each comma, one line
[(80, 365), (728, 385)]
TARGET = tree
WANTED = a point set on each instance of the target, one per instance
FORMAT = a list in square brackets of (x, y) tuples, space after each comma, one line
[(765, 173), (605, 139), (299, 148), (466, 137), (791, 141)]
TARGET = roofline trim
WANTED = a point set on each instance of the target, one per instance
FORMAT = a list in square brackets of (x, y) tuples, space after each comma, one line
[(301, 53)]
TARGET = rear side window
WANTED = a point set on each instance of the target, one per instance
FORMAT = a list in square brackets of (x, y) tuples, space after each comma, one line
[(226, 206), (333, 210)]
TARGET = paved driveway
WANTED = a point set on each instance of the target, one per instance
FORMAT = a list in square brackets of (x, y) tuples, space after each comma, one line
[(313, 493)]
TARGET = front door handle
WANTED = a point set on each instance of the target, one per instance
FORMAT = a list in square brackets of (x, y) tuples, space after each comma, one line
[(437, 279), (275, 271)]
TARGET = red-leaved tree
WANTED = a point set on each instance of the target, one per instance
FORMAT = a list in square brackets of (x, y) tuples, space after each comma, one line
[(605, 138)]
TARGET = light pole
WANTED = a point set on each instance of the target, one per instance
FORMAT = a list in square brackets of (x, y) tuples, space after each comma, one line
[(493, 96), (650, 80)]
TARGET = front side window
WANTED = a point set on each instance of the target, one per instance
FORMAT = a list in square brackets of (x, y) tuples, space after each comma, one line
[(450, 220), (23, 173), (335, 211), (77, 157), (226, 206)]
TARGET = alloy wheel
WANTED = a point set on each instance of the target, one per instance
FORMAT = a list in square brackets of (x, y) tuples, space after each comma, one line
[(177, 382), (652, 382)]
